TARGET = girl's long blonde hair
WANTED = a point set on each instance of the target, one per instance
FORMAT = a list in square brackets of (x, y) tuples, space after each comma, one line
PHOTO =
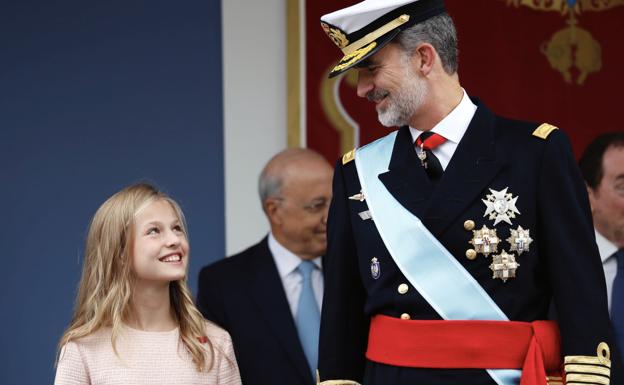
[(105, 289)]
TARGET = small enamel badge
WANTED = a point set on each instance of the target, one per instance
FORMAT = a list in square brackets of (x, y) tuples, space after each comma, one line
[(485, 241), (375, 268), (365, 215), (520, 240), (358, 197), (501, 206), (504, 266), (422, 155)]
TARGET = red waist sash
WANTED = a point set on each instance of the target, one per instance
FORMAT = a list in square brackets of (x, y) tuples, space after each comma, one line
[(533, 347)]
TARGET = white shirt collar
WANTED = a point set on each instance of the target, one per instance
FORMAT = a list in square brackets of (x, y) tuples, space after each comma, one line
[(606, 248), (455, 124), (285, 260)]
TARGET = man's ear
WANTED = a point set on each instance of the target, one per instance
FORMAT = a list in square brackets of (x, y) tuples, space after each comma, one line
[(271, 208), (424, 58)]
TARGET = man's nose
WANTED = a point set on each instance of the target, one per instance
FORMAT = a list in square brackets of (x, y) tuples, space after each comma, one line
[(364, 84)]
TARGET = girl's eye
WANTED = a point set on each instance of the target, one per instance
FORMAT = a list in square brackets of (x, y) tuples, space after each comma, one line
[(153, 230), (178, 229)]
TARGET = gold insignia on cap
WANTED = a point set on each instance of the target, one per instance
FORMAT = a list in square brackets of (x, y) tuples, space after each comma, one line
[(336, 35), (589, 369), (544, 130), (376, 34), (352, 58), (348, 157)]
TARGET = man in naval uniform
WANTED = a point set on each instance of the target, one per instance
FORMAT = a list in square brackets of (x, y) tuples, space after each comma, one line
[(449, 238)]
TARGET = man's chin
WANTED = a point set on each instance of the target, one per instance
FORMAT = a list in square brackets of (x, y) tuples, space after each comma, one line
[(388, 120)]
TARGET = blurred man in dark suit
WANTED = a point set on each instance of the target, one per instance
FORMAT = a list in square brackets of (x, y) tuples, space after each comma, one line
[(602, 165), (268, 297)]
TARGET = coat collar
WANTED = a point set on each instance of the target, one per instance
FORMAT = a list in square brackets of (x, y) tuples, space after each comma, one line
[(474, 164)]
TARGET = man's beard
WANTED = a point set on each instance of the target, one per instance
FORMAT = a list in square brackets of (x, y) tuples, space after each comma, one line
[(402, 104)]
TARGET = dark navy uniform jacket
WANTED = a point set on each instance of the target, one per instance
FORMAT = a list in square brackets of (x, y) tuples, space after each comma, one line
[(562, 264)]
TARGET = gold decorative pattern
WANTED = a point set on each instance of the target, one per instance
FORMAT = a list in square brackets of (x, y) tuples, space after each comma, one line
[(336, 35), (334, 111), (293, 75), (562, 6), (354, 57), (376, 34), (589, 369), (338, 382), (572, 46), (544, 130), (348, 157)]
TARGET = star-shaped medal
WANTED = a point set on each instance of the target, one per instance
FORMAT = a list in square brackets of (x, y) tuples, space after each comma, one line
[(520, 240), (504, 266), (501, 206), (485, 241)]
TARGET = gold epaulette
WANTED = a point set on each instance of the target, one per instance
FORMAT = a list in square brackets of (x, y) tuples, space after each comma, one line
[(348, 157), (589, 369), (544, 130)]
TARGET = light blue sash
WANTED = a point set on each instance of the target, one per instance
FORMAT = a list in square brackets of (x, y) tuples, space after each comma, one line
[(452, 292)]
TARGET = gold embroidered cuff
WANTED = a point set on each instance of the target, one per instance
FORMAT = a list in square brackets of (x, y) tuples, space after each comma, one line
[(552, 380), (589, 369)]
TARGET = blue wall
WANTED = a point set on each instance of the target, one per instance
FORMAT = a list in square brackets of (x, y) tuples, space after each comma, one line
[(95, 95)]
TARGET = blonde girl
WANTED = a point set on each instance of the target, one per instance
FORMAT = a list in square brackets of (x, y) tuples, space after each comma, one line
[(134, 320)]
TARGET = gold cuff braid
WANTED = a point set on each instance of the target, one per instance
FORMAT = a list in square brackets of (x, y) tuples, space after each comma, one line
[(333, 382), (589, 369)]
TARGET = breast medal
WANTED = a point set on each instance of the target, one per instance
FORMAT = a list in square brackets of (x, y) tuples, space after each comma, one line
[(504, 266), (375, 268), (500, 206), (484, 241), (519, 240)]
